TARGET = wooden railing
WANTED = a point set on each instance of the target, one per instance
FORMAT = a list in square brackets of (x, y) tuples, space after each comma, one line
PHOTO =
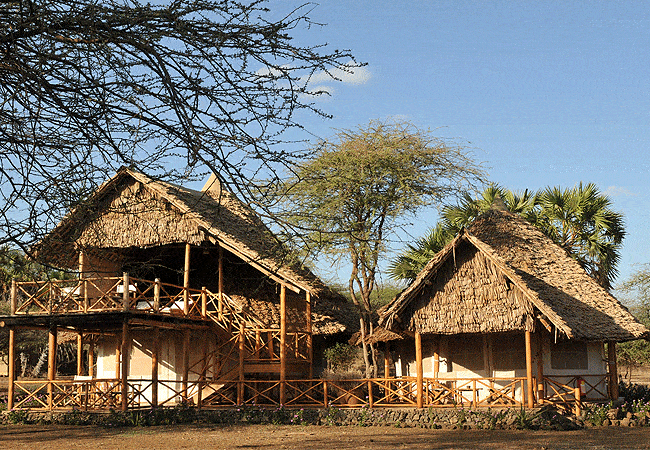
[(102, 394), (126, 294)]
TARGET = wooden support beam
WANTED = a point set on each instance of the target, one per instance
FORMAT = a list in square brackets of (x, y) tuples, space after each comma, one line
[(14, 297), (220, 281), (436, 357), (118, 357), (91, 358), (283, 343), (84, 284), (419, 369), (80, 354), (11, 368), (186, 281), (540, 366), (126, 301), (186, 362), (240, 385), (51, 365), (124, 378), (156, 295), (155, 350), (204, 302), (529, 371), (387, 359), (310, 342), (612, 370)]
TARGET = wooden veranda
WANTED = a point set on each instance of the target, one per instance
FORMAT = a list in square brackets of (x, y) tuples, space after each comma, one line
[(91, 306)]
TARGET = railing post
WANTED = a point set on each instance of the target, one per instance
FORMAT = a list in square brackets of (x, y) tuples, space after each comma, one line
[(419, 369), (14, 297), (51, 365), (156, 295), (283, 343), (154, 366), (578, 405), (204, 302), (240, 384), (85, 291), (125, 354), (186, 281), (370, 399), (325, 399), (529, 370), (126, 303), (11, 365)]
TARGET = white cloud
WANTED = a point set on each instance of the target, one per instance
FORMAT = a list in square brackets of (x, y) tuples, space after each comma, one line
[(617, 191), (348, 74)]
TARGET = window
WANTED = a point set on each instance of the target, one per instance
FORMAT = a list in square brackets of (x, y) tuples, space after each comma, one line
[(509, 351), (569, 355), (466, 353)]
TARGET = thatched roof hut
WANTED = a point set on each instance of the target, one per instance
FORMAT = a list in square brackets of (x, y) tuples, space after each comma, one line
[(503, 274), (132, 210)]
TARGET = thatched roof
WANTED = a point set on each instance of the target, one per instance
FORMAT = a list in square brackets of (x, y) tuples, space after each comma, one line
[(379, 334), (133, 210), (501, 275)]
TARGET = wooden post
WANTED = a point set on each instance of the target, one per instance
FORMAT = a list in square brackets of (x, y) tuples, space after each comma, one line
[(80, 353), (156, 295), (220, 281), (155, 349), (186, 362), (283, 343), (124, 379), (204, 302), (436, 358), (419, 369), (529, 371), (84, 287), (240, 385), (11, 367), (186, 281), (578, 406), (540, 367), (387, 359), (613, 370), (126, 301), (91, 356), (51, 365), (310, 347), (118, 357), (14, 297)]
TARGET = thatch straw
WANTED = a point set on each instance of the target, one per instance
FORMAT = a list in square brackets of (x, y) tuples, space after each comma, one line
[(502, 274)]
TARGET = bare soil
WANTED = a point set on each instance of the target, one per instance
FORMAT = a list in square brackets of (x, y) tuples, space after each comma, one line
[(313, 437)]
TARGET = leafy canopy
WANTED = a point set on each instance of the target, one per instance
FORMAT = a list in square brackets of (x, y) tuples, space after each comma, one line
[(579, 219), (362, 184), (167, 88)]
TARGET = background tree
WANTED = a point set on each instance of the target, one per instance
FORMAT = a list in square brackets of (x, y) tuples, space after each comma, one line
[(360, 186), (636, 353), (87, 86), (579, 219)]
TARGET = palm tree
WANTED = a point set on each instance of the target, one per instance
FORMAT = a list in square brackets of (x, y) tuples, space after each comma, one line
[(579, 219)]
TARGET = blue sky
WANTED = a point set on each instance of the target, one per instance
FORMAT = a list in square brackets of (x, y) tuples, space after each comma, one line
[(547, 93)]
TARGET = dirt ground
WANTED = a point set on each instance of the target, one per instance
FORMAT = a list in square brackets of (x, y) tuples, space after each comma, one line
[(313, 438)]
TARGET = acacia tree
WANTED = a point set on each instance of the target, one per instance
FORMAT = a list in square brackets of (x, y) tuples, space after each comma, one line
[(361, 185), (87, 86), (634, 354), (579, 219)]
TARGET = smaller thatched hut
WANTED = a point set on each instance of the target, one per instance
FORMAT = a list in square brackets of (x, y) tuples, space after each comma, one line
[(502, 301)]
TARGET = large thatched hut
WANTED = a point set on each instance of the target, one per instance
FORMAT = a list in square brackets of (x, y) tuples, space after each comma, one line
[(502, 302), (179, 294)]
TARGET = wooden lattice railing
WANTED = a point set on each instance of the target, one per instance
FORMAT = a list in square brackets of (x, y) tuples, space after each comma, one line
[(226, 390)]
